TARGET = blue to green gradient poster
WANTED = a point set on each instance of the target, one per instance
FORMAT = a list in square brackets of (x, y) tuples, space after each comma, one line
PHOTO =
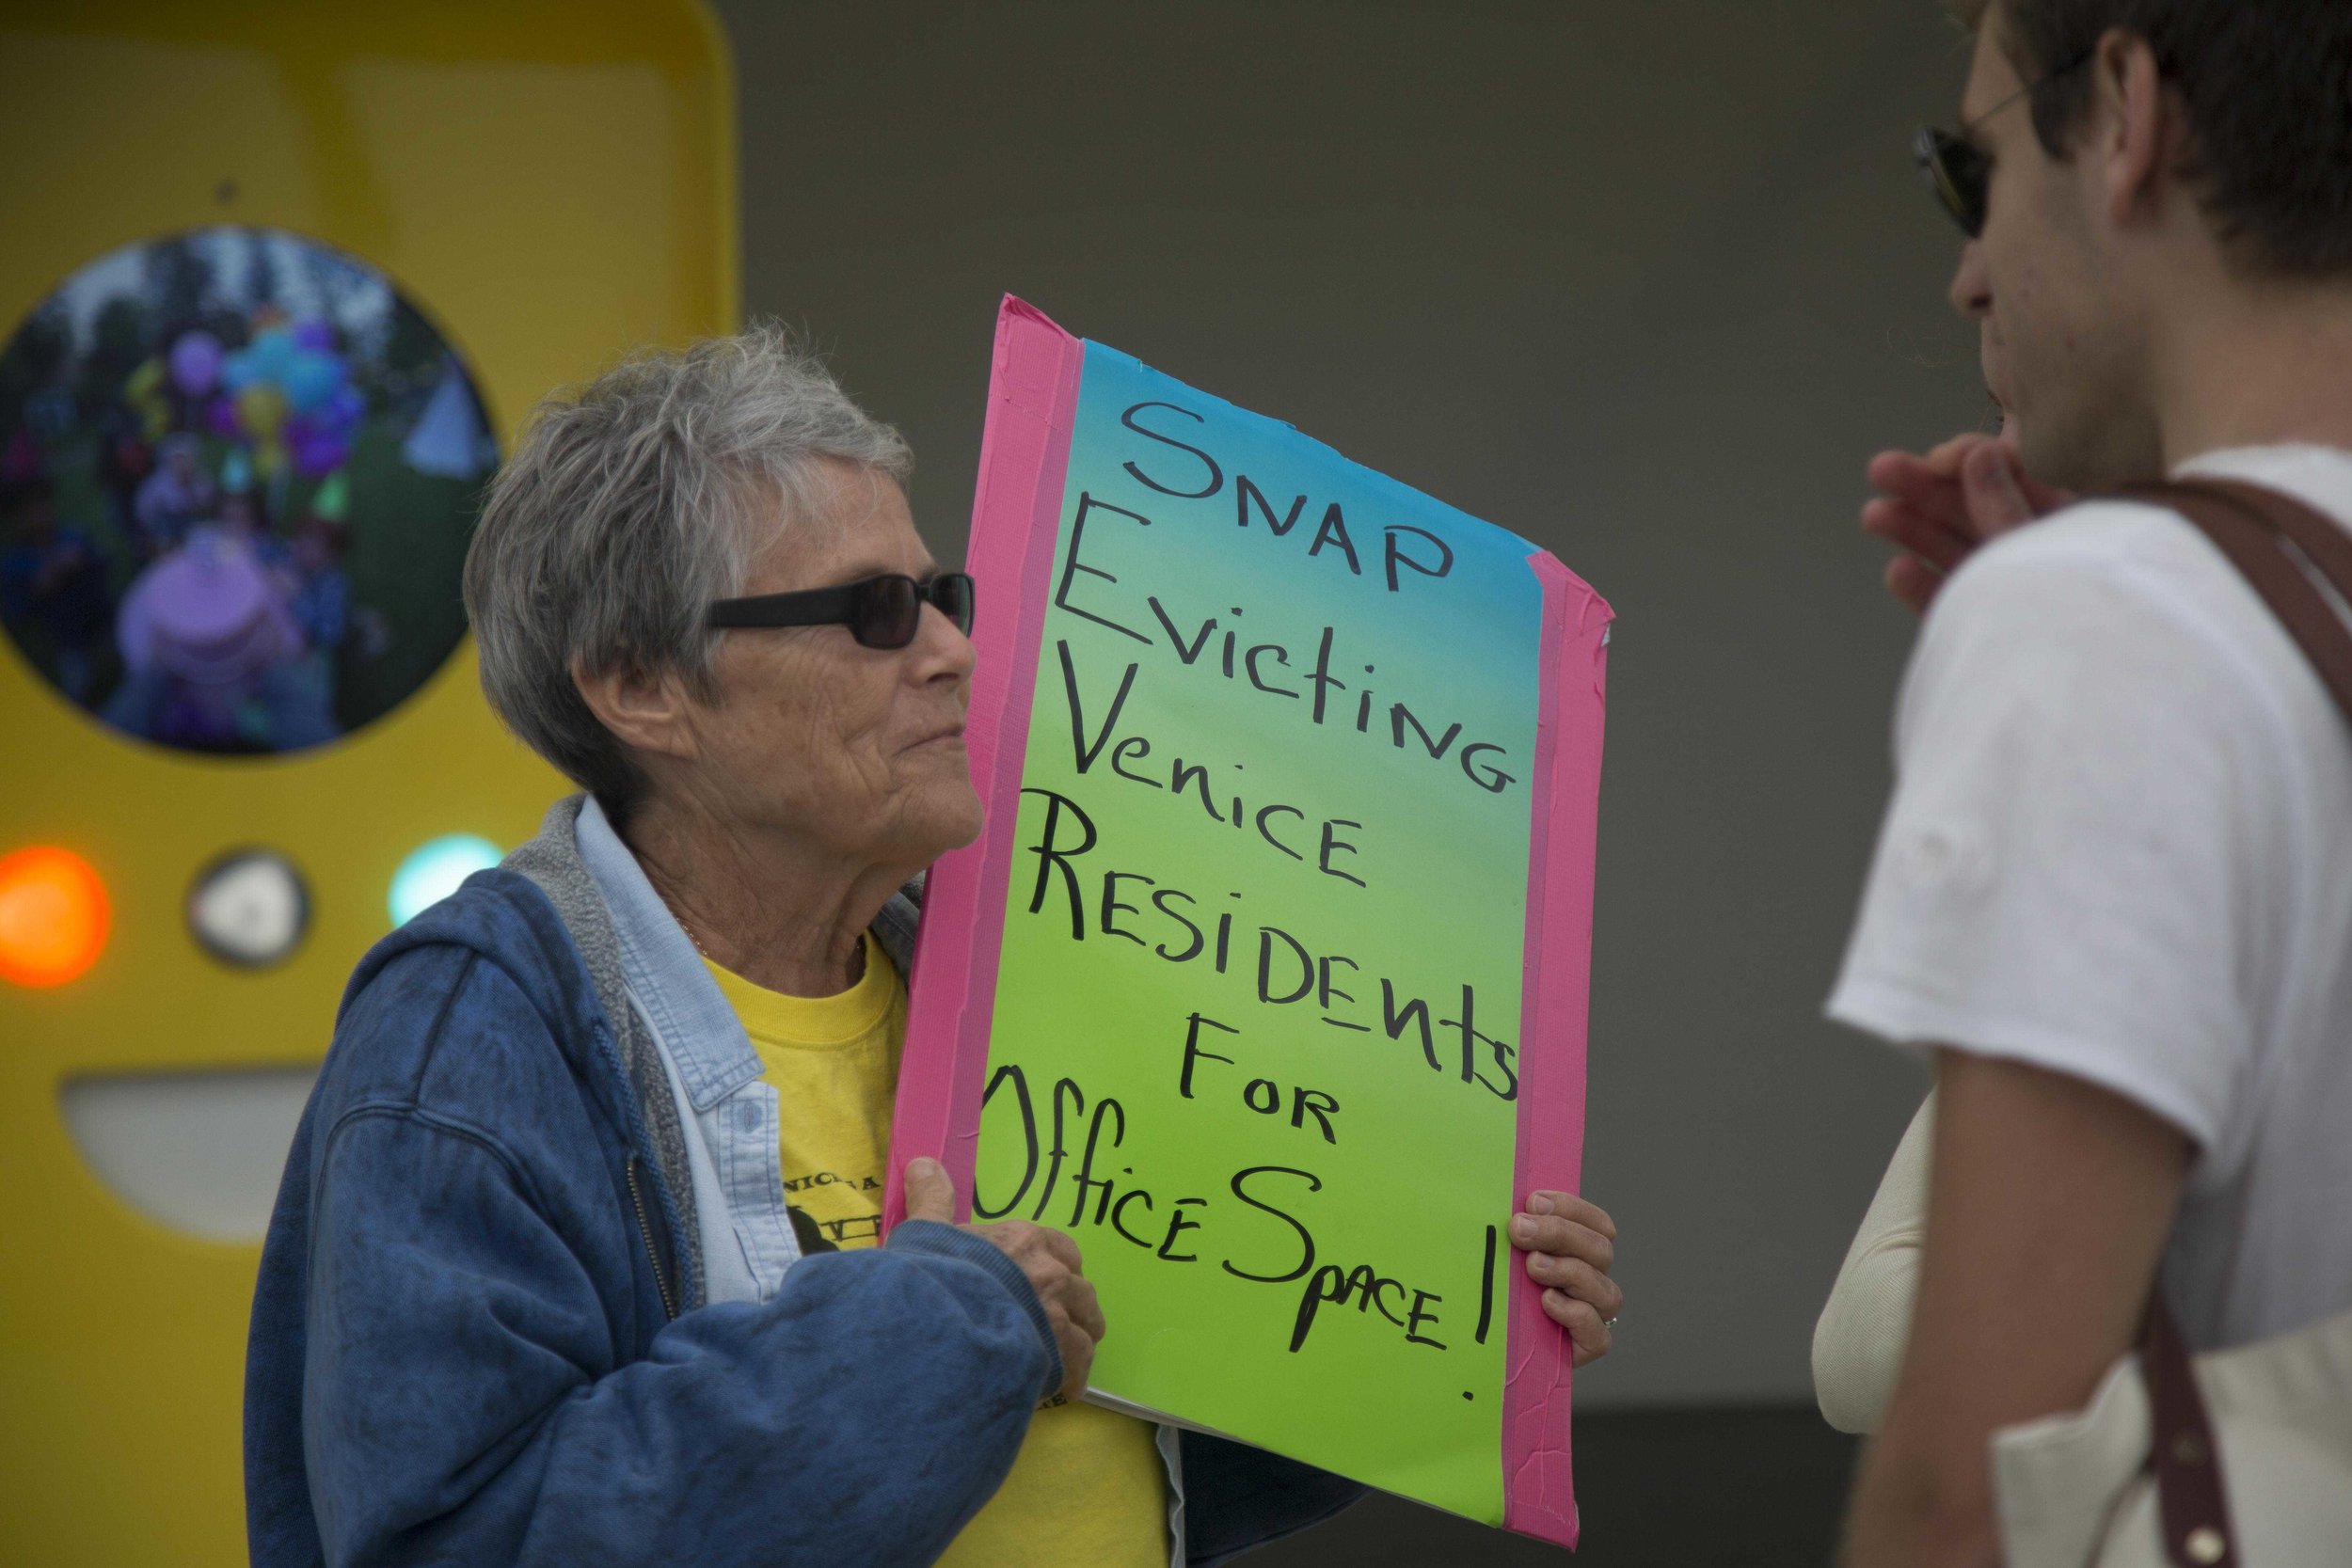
[(1266, 981)]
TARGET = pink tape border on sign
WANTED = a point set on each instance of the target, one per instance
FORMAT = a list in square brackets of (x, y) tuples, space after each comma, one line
[(1539, 1496), (1024, 456), (1016, 513)]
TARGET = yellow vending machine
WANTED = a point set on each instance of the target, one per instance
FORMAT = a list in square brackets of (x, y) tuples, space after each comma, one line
[(280, 283)]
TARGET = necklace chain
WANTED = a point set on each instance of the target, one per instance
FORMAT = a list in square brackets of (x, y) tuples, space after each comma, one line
[(690, 934)]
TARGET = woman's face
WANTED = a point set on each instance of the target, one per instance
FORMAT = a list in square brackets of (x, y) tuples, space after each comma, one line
[(858, 751)]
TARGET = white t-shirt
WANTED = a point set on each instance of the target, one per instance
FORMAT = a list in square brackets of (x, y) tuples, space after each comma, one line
[(2121, 848)]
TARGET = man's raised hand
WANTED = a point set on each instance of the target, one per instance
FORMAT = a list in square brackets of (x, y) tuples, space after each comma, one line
[(1049, 1259), (1938, 507)]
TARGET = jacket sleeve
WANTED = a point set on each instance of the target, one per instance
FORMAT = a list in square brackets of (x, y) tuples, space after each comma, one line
[(1864, 1328), (469, 1396)]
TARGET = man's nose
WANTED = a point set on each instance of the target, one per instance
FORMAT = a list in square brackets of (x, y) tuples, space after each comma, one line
[(1972, 285)]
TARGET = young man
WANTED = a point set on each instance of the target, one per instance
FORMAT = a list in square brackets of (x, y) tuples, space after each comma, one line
[(2113, 896)]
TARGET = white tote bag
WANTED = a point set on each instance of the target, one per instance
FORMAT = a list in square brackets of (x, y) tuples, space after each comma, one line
[(2080, 1490)]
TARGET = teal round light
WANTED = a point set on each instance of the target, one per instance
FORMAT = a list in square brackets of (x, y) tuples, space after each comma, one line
[(434, 870)]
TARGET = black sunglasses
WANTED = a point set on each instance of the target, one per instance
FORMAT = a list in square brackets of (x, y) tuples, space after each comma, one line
[(1959, 174), (1958, 171), (881, 613)]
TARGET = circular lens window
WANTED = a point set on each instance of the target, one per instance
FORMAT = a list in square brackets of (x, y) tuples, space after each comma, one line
[(238, 473)]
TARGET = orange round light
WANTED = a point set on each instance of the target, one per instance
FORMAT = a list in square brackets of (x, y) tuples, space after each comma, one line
[(54, 916)]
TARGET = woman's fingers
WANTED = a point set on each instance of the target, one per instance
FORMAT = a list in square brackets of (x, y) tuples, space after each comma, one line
[(1563, 1238), (1575, 1210), (1570, 1243), (1579, 1279), (1085, 1309), (1588, 1333)]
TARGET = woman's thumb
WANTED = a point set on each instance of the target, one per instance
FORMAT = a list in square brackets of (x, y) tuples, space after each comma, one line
[(930, 1193)]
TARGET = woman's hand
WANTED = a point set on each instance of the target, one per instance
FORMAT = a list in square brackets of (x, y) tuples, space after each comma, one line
[(1049, 1259), (1571, 1244), (1939, 507)]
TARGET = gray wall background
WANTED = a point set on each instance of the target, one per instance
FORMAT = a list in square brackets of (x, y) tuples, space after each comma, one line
[(1643, 282)]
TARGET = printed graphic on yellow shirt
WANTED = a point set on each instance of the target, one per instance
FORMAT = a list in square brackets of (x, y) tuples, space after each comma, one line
[(846, 1230), (1088, 1489)]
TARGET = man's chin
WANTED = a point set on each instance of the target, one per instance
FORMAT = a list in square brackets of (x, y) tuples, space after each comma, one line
[(2088, 468), (2047, 443)]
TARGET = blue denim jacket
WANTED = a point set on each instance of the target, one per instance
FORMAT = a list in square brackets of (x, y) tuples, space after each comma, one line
[(493, 1325)]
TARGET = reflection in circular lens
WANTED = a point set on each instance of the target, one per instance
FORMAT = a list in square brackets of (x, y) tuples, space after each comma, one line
[(250, 908), (238, 473), (434, 870)]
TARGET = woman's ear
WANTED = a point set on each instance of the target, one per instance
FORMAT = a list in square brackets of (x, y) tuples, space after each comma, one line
[(646, 713)]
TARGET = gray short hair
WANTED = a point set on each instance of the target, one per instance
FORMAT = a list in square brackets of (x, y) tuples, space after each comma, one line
[(630, 503)]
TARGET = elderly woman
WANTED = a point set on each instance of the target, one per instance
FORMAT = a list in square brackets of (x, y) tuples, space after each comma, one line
[(575, 1260)]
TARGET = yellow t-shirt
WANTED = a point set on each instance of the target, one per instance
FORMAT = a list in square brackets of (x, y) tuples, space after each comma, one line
[(1088, 1489)]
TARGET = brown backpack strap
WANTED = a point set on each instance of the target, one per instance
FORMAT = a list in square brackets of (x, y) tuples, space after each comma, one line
[(2254, 525), (2313, 531), (2191, 1504)]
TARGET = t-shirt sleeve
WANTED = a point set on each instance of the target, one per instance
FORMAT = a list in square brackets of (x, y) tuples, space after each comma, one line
[(2084, 830)]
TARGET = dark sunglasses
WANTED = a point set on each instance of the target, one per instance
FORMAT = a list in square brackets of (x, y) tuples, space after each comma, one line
[(1958, 171), (881, 613)]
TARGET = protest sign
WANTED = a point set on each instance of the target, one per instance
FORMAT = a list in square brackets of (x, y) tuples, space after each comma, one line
[(1267, 978)]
